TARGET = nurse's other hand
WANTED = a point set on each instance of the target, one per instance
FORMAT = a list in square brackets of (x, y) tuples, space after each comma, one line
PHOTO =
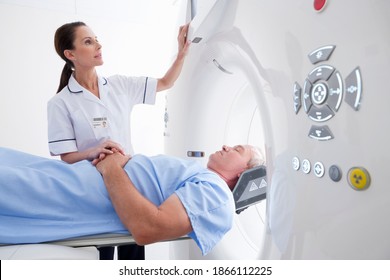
[(105, 148)]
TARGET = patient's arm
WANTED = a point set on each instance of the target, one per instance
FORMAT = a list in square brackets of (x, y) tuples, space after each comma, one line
[(147, 222)]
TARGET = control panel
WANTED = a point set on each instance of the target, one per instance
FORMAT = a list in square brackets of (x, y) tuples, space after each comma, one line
[(321, 96), (322, 93)]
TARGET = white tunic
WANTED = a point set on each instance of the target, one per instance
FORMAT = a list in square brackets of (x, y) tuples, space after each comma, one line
[(78, 120)]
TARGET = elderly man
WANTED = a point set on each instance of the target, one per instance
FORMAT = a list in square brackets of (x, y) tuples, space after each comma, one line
[(154, 198)]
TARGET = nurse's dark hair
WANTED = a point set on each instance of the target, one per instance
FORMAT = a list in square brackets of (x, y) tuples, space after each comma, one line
[(63, 40)]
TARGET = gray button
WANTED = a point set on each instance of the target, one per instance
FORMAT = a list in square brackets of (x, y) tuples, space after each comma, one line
[(320, 114), (321, 133), (297, 97), (353, 88), (335, 91), (319, 93), (320, 73), (335, 173), (321, 54), (307, 87)]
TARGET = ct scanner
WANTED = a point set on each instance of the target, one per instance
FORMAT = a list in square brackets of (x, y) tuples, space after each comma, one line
[(306, 81)]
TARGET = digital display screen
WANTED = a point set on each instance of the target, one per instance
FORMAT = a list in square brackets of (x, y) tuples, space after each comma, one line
[(251, 188)]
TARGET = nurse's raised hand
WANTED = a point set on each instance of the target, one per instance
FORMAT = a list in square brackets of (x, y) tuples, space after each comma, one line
[(183, 42)]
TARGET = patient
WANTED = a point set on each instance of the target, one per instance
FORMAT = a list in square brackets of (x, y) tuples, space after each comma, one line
[(155, 198)]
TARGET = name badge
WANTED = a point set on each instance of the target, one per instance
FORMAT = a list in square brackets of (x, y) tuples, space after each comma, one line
[(100, 122)]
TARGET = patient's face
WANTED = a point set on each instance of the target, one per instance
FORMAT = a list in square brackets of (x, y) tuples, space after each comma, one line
[(230, 161)]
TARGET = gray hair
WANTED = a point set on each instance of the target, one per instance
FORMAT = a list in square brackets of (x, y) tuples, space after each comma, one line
[(257, 158)]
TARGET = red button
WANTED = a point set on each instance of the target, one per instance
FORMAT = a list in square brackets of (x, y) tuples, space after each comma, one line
[(319, 4)]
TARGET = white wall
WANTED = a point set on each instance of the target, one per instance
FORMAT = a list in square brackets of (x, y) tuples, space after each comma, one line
[(138, 38)]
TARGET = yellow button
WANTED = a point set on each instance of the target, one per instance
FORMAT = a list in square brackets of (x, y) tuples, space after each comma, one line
[(359, 178)]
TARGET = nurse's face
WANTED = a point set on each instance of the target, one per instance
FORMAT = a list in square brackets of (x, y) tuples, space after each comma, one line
[(230, 162), (87, 49)]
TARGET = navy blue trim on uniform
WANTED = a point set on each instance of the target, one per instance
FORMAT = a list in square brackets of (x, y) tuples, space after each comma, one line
[(80, 91), (146, 85), (62, 140)]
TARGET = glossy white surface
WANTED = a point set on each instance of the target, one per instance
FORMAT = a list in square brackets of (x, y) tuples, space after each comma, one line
[(257, 53)]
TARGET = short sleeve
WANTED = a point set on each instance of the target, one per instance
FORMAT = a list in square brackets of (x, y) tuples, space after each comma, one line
[(210, 208), (150, 91), (60, 130)]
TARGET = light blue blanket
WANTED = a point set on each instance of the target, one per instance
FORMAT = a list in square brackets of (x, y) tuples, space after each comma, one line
[(45, 199)]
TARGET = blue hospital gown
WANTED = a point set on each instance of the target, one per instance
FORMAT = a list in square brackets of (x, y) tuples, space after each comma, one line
[(46, 199)]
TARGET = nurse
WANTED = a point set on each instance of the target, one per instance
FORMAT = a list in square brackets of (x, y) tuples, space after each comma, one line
[(90, 114)]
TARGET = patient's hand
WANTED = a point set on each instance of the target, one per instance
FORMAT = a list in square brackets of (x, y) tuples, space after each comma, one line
[(106, 148), (117, 159)]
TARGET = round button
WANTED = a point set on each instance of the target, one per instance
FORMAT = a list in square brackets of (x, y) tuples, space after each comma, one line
[(359, 178), (295, 163), (319, 93), (318, 169), (319, 5), (306, 166), (335, 173)]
